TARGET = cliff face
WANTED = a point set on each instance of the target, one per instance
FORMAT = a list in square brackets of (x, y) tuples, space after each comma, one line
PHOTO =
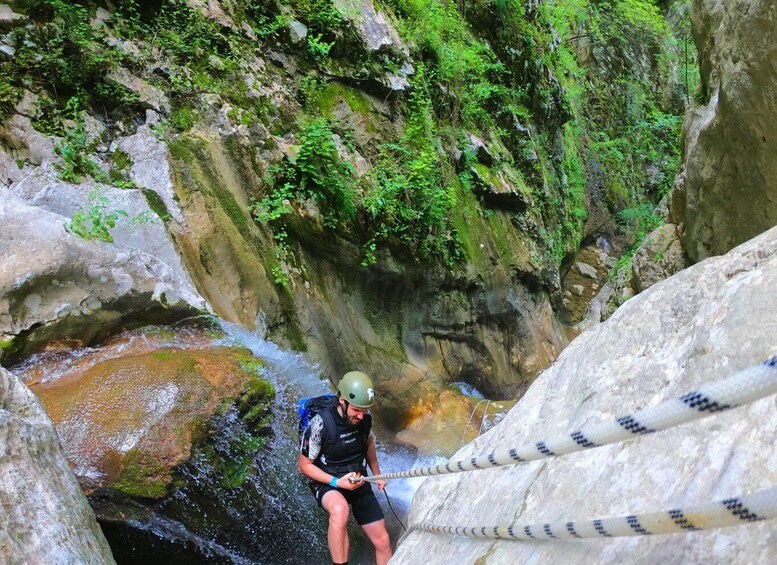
[(727, 190), (703, 324), (330, 175)]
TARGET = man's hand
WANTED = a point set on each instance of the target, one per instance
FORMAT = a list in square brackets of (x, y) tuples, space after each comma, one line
[(351, 481), (381, 484)]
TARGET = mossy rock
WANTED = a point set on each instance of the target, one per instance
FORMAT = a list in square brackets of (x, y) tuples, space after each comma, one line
[(126, 424)]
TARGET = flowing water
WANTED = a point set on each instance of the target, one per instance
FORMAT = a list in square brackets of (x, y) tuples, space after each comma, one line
[(271, 516)]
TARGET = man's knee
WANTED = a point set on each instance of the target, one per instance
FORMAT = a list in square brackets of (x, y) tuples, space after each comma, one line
[(382, 541), (338, 513)]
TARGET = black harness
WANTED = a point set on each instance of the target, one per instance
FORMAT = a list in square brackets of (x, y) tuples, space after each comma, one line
[(343, 447)]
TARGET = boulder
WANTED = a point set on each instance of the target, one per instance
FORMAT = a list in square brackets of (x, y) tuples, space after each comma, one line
[(127, 423), (148, 96), (45, 516), (26, 142), (10, 19), (701, 325)]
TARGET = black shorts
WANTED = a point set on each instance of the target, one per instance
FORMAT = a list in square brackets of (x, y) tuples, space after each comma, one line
[(366, 509)]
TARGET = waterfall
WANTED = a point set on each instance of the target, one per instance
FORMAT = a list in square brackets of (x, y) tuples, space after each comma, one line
[(228, 507)]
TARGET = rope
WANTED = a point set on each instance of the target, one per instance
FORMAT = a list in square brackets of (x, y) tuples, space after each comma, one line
[(392, 510), (761, 505), (741, 388), (464, 433)]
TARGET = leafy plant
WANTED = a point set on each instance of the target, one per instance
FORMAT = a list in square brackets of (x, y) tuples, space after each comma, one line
[(317, 172), (96, 220), (317, 48), (76, 147)]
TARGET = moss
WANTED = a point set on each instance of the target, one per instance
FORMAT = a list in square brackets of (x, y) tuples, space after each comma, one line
[(182, 118), (162, 355), (157, 205), (121, 161), (333, 93), (141, 478), (183, 148), (11, 347), (292, 330)]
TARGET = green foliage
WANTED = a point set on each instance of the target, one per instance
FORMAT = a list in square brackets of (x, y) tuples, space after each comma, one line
[(477, 87), (9, 92), (96, 221), (409, 204), (317, 48), (182, 117), (320, 15), (63, 52), (642, 220), (626, 23), (76, 147), (317, 172)]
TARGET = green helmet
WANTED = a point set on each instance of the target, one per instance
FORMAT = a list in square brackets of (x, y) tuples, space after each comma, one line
[(356, 388)]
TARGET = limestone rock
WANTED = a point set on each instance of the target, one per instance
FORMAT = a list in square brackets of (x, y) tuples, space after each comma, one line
[(9, 170), (151, 169), (297, 31), (28, 144), (700, 325), (142, 229), (581, 282), (56, 286), (46, 518), (149, 96), (9, 19), (376, 31), (211, 9), (659, 256), (729, 172)]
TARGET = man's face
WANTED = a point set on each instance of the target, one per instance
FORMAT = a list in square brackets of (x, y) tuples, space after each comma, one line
[(355, 414)]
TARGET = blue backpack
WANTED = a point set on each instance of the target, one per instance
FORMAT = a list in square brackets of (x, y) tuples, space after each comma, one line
[(309, 407)]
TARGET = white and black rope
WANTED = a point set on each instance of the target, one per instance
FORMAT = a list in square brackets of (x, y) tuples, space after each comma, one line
[(741, 388), (761, 505)]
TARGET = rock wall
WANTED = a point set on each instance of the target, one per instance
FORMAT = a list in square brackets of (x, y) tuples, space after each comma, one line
[(700, 325), (45, 516), (727, 190), (56, 287)]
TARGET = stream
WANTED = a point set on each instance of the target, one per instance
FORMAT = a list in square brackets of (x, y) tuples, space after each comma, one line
[(271, 516)]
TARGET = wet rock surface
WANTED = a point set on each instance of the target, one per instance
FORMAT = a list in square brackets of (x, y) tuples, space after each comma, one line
[(702, 324), (45, 515)]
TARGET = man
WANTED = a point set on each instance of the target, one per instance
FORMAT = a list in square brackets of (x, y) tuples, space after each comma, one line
[(334, 461)]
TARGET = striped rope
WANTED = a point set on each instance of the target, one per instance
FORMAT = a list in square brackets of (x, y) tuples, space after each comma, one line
[(761, 505), (741, 388)]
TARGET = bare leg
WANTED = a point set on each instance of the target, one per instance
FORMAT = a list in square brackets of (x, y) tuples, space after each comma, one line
[(379, 537), (337, 507)]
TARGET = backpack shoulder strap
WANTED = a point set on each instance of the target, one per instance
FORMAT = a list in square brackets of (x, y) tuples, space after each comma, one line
[(367, 423), (330, 427)]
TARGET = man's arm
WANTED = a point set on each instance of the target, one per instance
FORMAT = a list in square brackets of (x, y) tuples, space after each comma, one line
[(309, 469), (372, 460)]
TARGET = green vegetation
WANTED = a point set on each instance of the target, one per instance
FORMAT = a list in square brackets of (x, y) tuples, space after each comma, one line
[(509, 73), (142, 478), (96, 220)]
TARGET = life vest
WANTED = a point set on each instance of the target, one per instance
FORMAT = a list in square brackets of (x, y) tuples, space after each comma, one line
[(343, 447)]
